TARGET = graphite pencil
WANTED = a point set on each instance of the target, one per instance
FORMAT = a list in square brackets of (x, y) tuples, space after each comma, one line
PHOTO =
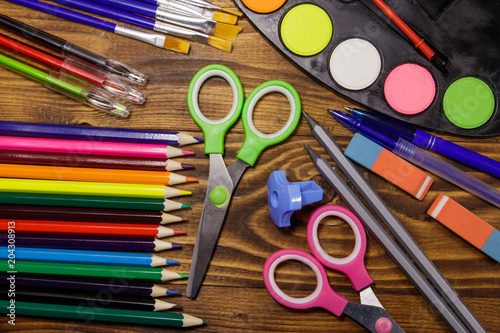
[(104, 314), (101, 301), (86, 257), (43, 172), (91, 161), (88, 228), (41, 199), (113, 286), (86, 147), (136, 244), (91, 133), (99, 271), (26, 212)]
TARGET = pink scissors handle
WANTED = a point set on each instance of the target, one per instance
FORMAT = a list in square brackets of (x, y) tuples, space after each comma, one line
[(353, 265), (323, 296)]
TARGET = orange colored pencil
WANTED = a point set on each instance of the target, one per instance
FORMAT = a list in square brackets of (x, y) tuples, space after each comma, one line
[(87, 228), (92, 174)]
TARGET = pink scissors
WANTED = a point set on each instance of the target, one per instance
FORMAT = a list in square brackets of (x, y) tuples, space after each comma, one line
[(370, 313)]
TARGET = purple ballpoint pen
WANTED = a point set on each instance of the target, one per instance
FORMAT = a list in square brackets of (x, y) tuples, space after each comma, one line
[(423, 159)]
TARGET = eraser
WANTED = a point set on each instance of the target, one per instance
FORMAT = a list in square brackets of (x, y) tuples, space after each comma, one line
[(389, 166), (467, 225)]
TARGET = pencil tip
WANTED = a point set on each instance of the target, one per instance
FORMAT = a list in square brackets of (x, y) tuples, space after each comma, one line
[(185, 206), (184, 192), (176, 246), (178, 232), (187, 166), (187, 152), (170, 292), (183, 275), (172, 262), (198, 139), (191, 180)]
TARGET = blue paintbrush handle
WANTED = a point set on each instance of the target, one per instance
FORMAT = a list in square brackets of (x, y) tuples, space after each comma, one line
[(137, 7), (67, 14), (110, 12)]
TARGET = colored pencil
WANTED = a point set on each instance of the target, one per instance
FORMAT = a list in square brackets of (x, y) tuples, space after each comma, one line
[(80, 299), (109, 84), (91, 147), (25, 212), (75, 174), (226, 30), (68, 49), (89, 96), (112, 287), (91, 133), (100, 271), (108, 315), (89, 228), (43, 199), (91, 161), (138, 20), (86, 257), (157, 40), (89, 188), (91, 242)]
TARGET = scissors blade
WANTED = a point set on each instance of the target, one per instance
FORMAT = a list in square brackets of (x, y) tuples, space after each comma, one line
[(373, 318), (211, 221), (368, 297)]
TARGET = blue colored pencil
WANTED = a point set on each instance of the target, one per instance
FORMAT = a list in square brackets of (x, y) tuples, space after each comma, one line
[(91, 133), (84, 257)]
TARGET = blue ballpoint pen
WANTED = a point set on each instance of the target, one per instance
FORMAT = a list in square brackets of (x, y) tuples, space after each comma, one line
[(423, 159), (431, 142)]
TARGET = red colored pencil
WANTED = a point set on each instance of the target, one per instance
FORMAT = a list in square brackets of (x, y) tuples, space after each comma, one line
[(87, 228)]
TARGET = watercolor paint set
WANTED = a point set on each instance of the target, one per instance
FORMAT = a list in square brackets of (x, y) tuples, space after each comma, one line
[(357, 50)]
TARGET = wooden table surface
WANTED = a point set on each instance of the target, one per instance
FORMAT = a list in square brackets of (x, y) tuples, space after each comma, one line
[(233, 297)]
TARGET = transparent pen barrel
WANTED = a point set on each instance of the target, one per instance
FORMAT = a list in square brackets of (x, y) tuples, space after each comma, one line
[(447, 171)]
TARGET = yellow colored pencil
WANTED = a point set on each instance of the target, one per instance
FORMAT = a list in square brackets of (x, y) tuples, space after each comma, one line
[(89, 188)]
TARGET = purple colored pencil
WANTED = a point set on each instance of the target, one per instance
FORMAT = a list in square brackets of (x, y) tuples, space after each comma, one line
[(90, 242)]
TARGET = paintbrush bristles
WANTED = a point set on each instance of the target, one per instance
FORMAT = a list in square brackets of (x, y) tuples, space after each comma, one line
[(177, 45), (226, 31), (232, 11), (220, 43), (224, 17)]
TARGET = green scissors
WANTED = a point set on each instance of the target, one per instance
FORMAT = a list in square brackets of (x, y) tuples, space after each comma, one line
[(223, 180)]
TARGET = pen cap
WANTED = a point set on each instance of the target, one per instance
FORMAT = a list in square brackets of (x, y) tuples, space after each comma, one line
[(83, 92), (124, 71), (99, 78)]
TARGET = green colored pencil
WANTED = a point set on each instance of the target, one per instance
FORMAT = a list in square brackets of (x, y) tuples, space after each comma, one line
[(89, 201), (102, 271), (100, 314)]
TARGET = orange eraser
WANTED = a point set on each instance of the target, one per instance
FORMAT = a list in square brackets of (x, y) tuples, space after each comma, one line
[(460, 220), (389, 166)]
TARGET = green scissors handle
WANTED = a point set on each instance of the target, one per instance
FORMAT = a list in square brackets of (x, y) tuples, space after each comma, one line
[(214, 131), (255, 141)]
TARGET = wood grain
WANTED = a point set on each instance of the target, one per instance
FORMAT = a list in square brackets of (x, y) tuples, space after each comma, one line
[(233, 297)]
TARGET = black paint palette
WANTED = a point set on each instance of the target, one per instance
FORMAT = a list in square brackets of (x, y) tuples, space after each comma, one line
[(355, 49)]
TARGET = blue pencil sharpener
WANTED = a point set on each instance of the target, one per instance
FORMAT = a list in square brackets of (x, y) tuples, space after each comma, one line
[(284, 197)]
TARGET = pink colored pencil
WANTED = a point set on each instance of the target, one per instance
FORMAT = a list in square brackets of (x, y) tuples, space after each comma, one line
[(87, 147)]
